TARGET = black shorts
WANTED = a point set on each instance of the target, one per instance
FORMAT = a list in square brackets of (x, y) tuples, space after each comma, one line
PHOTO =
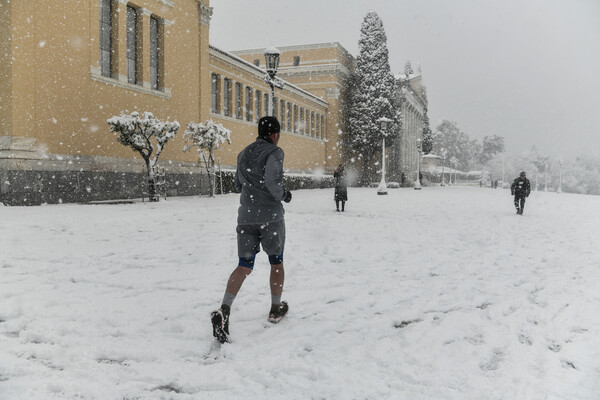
[(270, 235)]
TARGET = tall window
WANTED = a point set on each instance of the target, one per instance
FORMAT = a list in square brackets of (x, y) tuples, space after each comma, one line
[(307, 124), (275, 106), (317, 133), (282, 115), (258, 104), (322, 127), (312, 124), (249, 102), (132, 45), (215, 93), (301, 125), (227, 98), (296, 61), (295, 118), (238, 100), (156, 52), (106, 37), (288, 119)]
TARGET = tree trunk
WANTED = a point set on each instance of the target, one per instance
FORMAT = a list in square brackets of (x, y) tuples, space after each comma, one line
[(151, 181)]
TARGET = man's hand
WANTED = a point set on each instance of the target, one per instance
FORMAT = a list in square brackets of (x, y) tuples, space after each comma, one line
[(288, 196)]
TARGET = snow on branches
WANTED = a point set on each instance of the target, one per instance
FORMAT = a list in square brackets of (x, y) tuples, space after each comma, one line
[(207, 137), (136, 131)]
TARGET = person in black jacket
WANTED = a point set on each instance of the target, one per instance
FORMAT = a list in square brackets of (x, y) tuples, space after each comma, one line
[(341, 187), (520, 188)]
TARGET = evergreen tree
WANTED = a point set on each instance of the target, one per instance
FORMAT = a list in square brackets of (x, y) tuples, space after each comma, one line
[(373, 97), (408, 69), (427, 145)]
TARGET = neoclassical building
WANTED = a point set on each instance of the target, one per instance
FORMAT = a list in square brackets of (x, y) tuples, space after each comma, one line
[(404, 155), (69, 65)]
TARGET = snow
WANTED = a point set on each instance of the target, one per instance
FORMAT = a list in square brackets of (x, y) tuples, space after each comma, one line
[(442, 293)]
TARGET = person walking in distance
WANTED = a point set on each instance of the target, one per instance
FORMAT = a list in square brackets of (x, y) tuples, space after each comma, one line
[(520, 188), (260, 221), (341, 187)]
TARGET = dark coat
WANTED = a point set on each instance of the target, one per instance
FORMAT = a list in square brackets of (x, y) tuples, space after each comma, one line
[(520, 187), (341, 187)]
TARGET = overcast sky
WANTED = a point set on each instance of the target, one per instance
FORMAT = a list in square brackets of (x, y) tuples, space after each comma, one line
[(527, 70)]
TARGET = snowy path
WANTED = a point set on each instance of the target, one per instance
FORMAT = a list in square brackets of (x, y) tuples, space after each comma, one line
[(439, 294)]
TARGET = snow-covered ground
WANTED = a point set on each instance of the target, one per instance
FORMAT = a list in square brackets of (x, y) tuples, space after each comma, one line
[(442, 293)]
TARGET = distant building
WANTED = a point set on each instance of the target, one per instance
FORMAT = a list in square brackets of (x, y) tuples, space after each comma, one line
[(412, 97)]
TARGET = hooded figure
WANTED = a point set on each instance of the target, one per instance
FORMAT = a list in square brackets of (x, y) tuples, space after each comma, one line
[(520, 188), (341, 187)]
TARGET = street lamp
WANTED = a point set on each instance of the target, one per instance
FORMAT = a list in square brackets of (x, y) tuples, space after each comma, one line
[(384, 123), (417, 181), (272, 63), (559, 176)]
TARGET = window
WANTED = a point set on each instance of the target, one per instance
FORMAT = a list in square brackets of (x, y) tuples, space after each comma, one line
[(249, 102), (301, 124), (317, 133), (282, 115), (307, 126), (215, 93), (132, 46), (238, 100), (312, 124), (258, 104), (295, 118), (257, 62), (227, 100), (106, 32), (275, 106), (322, 127), (156, 53), (296, 61), (288, 119)]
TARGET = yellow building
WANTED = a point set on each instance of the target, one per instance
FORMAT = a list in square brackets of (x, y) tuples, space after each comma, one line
[(71, 65)]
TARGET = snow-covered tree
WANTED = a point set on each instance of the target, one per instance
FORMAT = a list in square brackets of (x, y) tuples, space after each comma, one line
[(137, 132), (207, 137), (408, 69), (449, 139), (427, 145), (492, 145), (373, 97)]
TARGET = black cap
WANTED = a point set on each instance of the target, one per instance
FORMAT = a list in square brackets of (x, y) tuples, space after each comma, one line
[(522, 173), (268, 126)]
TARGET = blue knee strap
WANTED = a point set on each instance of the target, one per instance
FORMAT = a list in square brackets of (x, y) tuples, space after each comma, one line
[(247, 262), (274, 260)]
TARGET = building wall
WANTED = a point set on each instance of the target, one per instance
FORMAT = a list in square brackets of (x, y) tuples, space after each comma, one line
[(321, 69), (55, 144), (305, 148), (404, 154)]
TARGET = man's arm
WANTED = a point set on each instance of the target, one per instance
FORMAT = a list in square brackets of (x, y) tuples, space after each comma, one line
[(274, 174)]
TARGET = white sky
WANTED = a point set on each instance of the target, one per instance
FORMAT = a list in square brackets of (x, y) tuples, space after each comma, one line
[(523, 69)]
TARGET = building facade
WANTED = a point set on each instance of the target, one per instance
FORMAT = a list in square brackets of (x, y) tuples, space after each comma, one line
[(71, 65), (404, 154)]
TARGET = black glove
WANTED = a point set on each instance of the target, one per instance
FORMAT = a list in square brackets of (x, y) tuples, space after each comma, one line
[(512, 193), (287, 197)]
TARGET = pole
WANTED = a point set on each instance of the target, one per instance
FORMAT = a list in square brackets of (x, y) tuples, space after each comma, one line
[(382, 189), (418, 182), (271, 97)]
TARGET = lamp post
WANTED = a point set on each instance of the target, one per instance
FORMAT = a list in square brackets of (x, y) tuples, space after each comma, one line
[(418, 181), (272, 63), (383, 122), (559, 176)]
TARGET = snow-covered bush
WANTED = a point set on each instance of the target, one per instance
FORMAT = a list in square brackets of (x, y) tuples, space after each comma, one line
[(136, 132), (207, 137)]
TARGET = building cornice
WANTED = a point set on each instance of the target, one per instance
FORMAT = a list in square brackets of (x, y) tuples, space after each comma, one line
[(205, 13)]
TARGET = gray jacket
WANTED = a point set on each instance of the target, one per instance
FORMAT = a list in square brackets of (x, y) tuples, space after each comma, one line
[(259, 178)]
